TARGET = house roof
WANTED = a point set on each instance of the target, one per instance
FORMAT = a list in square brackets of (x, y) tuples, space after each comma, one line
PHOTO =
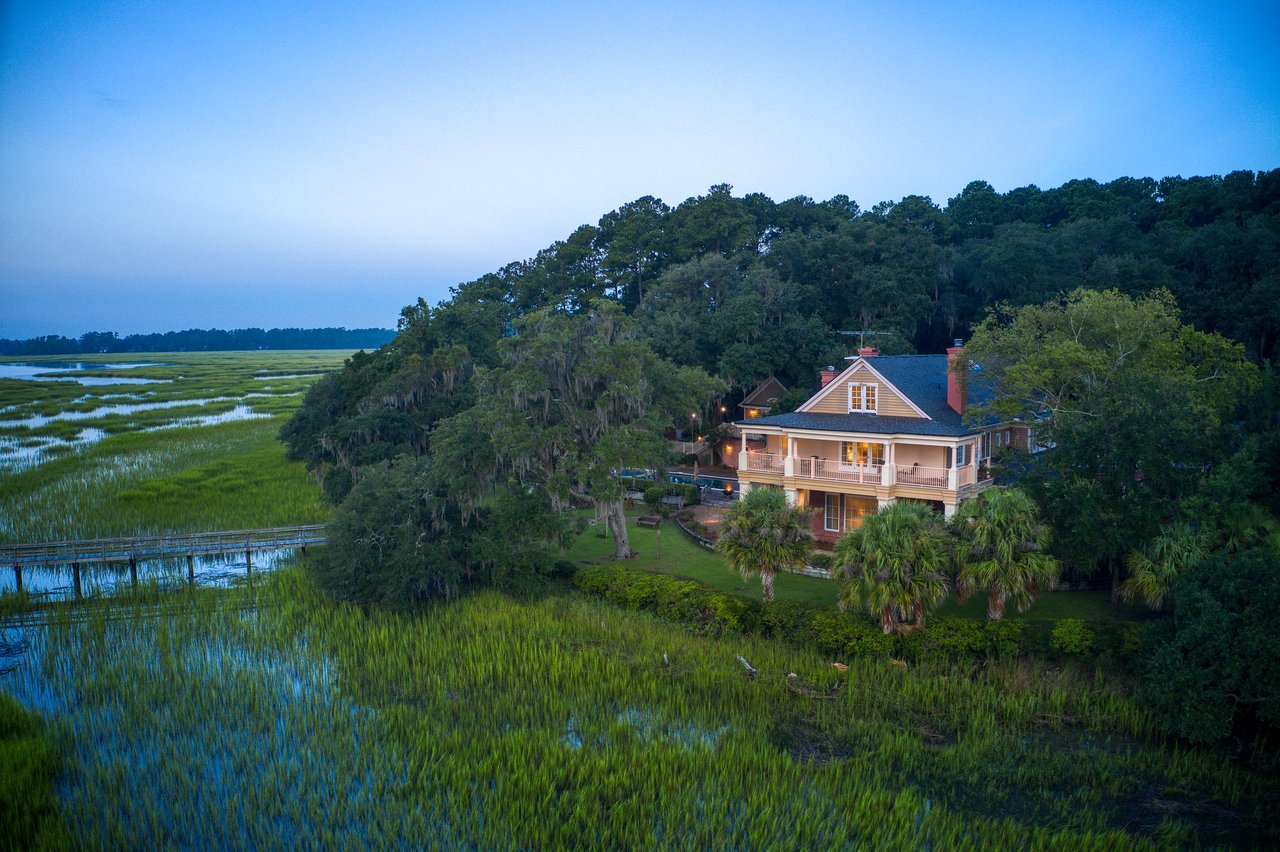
[(764, 394), (921, 378), (867, 423)]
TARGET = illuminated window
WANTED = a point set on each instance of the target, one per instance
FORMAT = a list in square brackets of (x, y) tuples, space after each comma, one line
[(753, 413), (855, 509), (861, 452), (831, 517), (862, 397)]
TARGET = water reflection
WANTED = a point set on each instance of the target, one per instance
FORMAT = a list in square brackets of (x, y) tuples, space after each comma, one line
[(54, 371)]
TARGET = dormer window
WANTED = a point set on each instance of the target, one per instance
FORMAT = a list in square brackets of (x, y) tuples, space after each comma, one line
[(862, 397)]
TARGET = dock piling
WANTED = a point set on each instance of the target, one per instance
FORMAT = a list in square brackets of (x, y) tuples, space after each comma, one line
[(133, 572), (75, 578), (17, 577)]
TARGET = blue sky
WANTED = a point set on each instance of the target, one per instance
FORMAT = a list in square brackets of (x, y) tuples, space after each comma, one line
[(175, 165)]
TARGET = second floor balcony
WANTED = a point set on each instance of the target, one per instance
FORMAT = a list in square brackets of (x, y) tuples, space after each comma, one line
[(868, 473)]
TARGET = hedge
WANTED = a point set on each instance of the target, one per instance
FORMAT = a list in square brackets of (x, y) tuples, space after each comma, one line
[(840, 634)]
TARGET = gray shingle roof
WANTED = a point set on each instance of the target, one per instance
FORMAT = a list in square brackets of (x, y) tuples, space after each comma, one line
[(921, 378), (871, 423)]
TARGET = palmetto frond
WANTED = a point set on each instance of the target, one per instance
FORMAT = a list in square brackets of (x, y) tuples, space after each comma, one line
[(1154, 568), (1002, 548), (895, 565), (762, 534)]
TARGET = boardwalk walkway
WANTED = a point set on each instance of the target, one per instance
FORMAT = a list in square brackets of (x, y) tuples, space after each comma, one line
[(135, 549)]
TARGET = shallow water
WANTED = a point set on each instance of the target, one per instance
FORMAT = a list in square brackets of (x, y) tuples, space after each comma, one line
[(105, 580), (55, 371), (18, 453), (38, 420)]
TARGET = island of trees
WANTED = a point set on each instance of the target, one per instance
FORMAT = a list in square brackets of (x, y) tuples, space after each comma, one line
[(1135, 322)]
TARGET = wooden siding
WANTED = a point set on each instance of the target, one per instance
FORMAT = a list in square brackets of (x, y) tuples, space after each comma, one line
[(888, 403)]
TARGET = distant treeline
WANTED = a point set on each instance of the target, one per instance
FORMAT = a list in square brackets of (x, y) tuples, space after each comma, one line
[(201, 340)]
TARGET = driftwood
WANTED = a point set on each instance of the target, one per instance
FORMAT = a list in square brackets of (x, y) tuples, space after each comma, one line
[(751, 670)]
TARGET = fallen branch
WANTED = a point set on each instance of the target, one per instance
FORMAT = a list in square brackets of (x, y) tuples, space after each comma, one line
[(751, 670)]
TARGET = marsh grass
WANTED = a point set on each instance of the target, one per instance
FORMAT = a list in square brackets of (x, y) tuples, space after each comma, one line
[(258, 717), (150, 473)]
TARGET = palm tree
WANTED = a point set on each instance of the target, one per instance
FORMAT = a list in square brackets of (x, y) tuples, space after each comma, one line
[(1001, 546), (895, 564), (1153, 569), (763, 534)]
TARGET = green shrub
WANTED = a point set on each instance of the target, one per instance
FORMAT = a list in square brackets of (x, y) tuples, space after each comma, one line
[(781, 620), (564, 569), (654, 494), (845, 634), (1071, 636), (718, 614), (825, 561), (960, 637)]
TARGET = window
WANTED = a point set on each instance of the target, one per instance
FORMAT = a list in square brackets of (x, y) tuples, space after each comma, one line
[(862, 397), (861, 452), (855, 509), (964, 455), (831, 517), (871, 453), (753, 413), (984, 446)]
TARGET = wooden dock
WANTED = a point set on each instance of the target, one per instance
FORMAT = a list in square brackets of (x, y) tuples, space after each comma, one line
[(134, 549)]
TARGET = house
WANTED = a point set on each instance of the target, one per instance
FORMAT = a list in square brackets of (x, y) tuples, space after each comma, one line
[(884, 428), (761, 401)]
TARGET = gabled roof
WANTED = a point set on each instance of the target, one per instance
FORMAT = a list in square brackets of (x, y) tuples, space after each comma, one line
[(836, 386), (920, 378), (765, 394)]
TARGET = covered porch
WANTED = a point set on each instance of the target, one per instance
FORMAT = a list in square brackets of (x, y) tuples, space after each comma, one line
[(937, 466)]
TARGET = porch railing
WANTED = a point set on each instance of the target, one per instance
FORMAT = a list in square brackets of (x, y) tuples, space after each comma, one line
[(837, 471), (925, 477), (769, 462)]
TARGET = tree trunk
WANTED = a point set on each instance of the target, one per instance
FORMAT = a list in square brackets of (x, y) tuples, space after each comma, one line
[(995, 605), (766, 581), (617, 522)]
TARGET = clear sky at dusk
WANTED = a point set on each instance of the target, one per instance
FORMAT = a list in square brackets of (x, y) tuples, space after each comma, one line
[(176, 165)]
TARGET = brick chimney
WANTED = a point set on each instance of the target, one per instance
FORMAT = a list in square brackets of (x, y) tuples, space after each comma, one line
[(828, 374), (957, 383), (868, 352)]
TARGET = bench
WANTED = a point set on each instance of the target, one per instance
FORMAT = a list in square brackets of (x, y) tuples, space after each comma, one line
[(649, 520)]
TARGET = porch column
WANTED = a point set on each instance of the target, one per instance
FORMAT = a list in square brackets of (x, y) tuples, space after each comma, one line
[(788, 466), (948, 509), (952, 479), (744, 488), (881, 502), (790, 492)]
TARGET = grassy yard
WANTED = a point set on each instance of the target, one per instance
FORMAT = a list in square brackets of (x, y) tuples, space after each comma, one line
[(681, 557)]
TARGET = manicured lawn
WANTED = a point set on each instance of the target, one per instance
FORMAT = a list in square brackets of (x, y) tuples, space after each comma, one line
[(681, 557)]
